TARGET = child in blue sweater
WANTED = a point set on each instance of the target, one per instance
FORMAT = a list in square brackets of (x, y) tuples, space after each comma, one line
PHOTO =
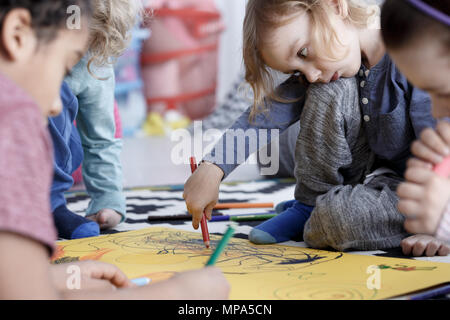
[(88, 96)]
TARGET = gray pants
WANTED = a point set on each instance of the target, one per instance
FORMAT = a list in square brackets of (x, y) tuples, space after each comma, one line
[(332, 159)]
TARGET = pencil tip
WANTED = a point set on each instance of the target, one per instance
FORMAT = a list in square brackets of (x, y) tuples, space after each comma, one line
[(207, 244)]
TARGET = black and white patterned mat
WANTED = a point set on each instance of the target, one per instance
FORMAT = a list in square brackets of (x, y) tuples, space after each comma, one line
[(166, 201)]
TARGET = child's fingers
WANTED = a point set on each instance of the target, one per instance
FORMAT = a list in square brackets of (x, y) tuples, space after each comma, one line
[(409, 208), (419, 248), (433, 248), (413, 226), (443, 128), (444, 250), (114, 275), (435, 142), (410, 191), (196, 212), (418, 175), (417, 163), (105, 271), (407, 245), (422, 151), (208, 210)]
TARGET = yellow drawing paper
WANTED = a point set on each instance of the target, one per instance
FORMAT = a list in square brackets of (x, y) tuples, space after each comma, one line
[(258, 271)]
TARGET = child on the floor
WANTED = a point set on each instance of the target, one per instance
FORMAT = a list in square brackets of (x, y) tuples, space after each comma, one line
[(418, 40), (336, 204), (88, 96), (36, 50)]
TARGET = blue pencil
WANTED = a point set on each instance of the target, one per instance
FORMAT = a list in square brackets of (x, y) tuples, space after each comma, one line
[(431, 293), (141, 281)]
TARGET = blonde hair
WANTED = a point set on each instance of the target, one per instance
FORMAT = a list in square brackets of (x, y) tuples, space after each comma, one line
[(263, 16), (110, 29)]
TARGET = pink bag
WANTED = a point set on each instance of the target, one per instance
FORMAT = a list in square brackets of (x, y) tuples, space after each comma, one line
[(180, 59)]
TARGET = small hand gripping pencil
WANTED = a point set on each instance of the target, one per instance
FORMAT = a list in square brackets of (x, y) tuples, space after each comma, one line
[(203, 223)]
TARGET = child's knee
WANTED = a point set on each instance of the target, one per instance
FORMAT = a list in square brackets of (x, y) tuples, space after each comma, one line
[(354, 217), (329, 224)]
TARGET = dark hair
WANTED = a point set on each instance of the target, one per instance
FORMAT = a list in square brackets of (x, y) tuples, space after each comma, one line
[(47, 16), (401, 22)]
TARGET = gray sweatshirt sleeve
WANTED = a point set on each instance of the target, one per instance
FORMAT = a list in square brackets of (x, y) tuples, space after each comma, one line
[(245, 137), (331, 148)]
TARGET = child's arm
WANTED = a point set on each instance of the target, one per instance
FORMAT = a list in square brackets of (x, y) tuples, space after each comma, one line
[(24, 269), (183, 286), (279, 116), (424, 195), (201, 189), (102, 169)]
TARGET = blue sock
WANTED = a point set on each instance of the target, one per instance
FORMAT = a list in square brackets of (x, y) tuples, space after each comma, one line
[(72, 226), (286, 226), (283, 206)]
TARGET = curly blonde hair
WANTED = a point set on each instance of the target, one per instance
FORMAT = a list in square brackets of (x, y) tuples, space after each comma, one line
[(110, 29), (263, 16)]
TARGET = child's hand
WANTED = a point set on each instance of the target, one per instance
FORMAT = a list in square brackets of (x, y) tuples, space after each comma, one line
[(423, 198), (201, 191), (106, 218), (94, 275), (419, 244), (433, 146), (208, 283)]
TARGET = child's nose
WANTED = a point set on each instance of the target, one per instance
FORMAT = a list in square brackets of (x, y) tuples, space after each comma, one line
[(312, 74), (56, 108)]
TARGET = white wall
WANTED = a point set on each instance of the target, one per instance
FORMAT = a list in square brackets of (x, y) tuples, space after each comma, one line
[(230, 54)]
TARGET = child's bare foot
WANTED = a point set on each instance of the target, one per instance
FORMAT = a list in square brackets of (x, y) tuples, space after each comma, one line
[(106, 218), (421, 244)]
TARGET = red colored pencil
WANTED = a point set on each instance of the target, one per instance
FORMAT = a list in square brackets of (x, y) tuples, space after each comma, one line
[(203, 223), (443, 168)]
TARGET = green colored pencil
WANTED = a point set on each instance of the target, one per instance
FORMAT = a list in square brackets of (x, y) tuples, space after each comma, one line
[(221, 245)]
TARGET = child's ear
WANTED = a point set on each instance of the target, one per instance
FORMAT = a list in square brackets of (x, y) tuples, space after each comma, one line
[(17, 34)]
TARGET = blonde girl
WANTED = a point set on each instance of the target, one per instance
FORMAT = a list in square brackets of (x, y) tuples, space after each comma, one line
[(92, 83), (345, 196)]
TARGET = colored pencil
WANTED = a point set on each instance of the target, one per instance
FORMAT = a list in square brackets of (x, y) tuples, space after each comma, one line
[(443, 168), (141, 281), (203, 223), (242, 205), (221, 245), (431, 293), (215, 217), (246, 217)]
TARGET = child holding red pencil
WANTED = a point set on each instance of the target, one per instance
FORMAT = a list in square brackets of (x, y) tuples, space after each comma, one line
[(418, 41)]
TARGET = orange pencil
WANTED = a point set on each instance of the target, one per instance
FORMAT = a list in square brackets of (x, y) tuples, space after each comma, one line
[(239, 205), (203, 223)]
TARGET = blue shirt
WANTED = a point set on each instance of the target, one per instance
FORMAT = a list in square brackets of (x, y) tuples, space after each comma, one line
[(68, 152), (394, 114)]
